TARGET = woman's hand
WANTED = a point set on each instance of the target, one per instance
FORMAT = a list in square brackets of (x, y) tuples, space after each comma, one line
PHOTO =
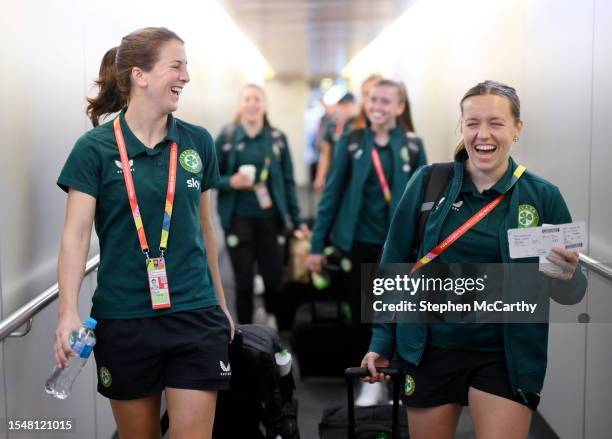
[(371, 361), (305, 230), (567, 260), (241, 182), (315, 262), (231, 323), (61, 348), (318, 185)]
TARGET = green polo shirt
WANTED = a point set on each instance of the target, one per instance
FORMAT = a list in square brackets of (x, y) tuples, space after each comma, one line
[(480, 245), (374, 216), (94, 167), (251, 151)]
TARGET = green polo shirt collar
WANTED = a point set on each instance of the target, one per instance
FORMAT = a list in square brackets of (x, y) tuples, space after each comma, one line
[(498, 188), (135, 146), (241, 134)]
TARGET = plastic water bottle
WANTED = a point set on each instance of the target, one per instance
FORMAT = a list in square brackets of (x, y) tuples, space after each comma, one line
[(283, 362), (82, 342)]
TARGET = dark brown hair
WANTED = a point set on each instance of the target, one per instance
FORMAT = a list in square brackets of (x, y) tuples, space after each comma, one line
[(266, 121), (138, 49), (489, 87)]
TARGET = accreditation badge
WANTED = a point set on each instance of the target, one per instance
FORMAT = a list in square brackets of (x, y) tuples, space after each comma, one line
[(263, 196), (158, 283)]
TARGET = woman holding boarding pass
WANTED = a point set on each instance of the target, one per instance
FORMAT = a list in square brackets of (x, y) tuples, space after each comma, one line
[(163, 324), (496, 369)]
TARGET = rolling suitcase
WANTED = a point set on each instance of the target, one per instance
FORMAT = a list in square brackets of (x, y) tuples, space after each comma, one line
[(376, 422), (321, 338)]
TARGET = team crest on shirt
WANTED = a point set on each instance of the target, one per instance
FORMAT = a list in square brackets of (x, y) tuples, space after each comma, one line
[(190, 161), (527, 216), (409, 385), (106, 378)]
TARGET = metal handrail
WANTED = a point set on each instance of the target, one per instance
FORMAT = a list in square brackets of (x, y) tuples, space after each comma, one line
[(596, 266), (26, 313)]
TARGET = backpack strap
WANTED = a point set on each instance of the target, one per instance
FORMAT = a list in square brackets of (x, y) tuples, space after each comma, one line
[(438, 179), (413, 149), (229, 136), (354, 139)]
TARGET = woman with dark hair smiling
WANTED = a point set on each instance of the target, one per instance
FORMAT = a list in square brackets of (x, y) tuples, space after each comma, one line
[(163, 324)]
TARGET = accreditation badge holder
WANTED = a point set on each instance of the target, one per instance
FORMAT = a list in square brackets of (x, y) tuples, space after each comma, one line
[(263, 196), (158, 283)]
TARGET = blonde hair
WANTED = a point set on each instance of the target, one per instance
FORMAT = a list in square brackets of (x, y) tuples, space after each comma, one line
[(266, 121)]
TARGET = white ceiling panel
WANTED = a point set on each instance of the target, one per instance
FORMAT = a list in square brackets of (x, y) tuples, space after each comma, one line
[(311, 39)]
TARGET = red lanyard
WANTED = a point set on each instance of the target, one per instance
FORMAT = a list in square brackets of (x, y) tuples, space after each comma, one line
[(380, 173), (475, 219), (131, 191)]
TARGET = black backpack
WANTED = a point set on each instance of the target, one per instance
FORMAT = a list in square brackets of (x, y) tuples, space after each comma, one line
[(259, 396), (435, 184)]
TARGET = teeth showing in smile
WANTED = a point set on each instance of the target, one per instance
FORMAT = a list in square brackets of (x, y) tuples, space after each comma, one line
[(176, 90), (485, 148)]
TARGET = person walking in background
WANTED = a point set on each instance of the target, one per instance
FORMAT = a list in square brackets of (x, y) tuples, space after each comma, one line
[(361, 120), (257, 200), (345, 111), (145, 179), (369, 172)]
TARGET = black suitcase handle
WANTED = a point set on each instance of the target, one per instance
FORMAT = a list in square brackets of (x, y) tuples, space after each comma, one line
[(360, 372)]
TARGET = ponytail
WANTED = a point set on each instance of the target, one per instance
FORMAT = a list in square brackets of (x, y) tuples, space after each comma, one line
[(110, 99), (137, 49)]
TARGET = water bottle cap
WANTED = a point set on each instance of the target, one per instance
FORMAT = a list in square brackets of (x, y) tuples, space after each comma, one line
[(90, 323)]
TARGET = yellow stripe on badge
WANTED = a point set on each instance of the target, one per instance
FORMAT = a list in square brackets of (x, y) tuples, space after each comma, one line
[(168, 207), (138, 222)]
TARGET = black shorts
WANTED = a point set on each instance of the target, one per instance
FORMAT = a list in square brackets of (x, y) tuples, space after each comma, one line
[(444, 376), (140, 357)]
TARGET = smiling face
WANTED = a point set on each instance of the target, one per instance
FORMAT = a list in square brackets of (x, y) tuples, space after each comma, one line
[(163, 84), (488, 128), (251, 104), (384, 106)]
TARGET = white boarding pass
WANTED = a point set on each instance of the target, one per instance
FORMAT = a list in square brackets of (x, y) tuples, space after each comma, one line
[(530, 242)]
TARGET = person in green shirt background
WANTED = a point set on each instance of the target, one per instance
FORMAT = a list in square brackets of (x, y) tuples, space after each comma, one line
[(497, 369), (257, 200), (345, 112), (148, 341), (369, 172)]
